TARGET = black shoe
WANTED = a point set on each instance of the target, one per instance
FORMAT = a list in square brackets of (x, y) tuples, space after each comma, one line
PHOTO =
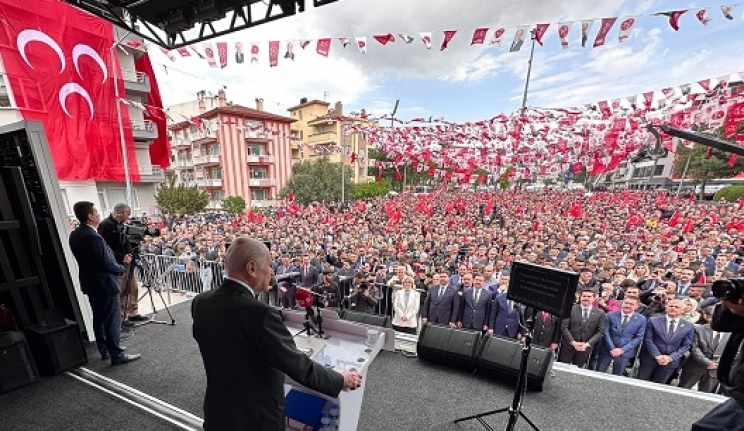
[(105, 357), (127, 324), (124, 359), (138, 318)]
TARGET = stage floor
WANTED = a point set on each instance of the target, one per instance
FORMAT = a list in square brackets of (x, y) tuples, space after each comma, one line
[(401, 393)]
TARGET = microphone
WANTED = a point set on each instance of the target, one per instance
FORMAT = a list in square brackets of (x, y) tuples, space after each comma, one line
[(304, 298)]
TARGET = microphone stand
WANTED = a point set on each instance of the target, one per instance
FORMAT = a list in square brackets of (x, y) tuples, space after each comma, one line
[(515, 410)]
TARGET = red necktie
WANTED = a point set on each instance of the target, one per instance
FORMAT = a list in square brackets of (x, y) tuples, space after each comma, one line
[(545, 317)]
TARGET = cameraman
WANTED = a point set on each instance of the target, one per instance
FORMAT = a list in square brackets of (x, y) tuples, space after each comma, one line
[(113, 231), (728, 317), (361, 300)]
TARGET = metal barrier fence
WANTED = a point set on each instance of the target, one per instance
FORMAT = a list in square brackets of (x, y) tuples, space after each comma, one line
[(181, 274)]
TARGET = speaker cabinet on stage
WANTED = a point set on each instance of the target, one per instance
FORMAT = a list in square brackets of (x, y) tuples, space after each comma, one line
[(17, 366), (448, 346), (499, 359), (366, 318), (57, 349)]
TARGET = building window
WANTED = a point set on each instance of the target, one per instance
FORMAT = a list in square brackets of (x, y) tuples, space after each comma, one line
[(218, 195), (300, 111), (301, 133), (102, 204), (256, 150), (259, 173), (118, 196), (66, 202), (659, 170), (215, 174), (212, 150), (362, 173), (5, 99), (259, 194)]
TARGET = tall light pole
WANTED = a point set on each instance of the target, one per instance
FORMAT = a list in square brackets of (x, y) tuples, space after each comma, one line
[(392, 126), (529, 72), (123, 141)]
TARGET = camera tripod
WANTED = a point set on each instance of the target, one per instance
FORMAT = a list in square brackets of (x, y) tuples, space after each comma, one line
[(149, 284)]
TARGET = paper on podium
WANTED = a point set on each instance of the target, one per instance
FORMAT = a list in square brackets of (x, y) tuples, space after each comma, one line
[(310, 345)]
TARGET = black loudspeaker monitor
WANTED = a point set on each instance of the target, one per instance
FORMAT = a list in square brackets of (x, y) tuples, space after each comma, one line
[(57, 349), (367, 318), (499, 359), (17, 366), (448, 346)]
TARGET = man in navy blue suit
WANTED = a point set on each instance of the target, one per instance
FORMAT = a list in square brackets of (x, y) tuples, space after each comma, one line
[(476, 306), (505, 317), (442, 304), (99, 279), (667, 340), (624, 331)]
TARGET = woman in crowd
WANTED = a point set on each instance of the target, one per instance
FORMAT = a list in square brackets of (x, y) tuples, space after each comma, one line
[(406, 302)]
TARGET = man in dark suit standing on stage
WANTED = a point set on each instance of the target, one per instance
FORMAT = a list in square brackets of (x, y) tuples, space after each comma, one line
[(667, 340), (505, 316), (624, 332), (442, 304), (247, 350), (476, 307), (286, 289), (702, 365), (582, 331), (547, 332), (99, 279)]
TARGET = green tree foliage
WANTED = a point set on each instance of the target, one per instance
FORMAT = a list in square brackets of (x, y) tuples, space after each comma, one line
[(318, 180), (730, 193), (234, 205), (702, 168), (370, 190), (180, 199)]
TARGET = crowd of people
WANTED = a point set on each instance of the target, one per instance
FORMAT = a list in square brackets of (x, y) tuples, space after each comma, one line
[(645, 259)]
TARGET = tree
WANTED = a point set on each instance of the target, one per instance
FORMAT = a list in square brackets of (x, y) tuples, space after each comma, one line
[(702, 168), (234, 205), (318, 180), (370, 190), (180, 199)]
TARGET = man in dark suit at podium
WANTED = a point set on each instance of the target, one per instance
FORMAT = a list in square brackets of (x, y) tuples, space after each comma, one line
[(442, 304), (99, 279), (247, 350)]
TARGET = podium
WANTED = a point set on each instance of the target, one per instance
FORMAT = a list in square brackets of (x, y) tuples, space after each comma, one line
[(344, 350)]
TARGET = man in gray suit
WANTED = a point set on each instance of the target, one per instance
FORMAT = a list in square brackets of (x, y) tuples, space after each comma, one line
[(582, 331), (702, 365), (442, 304)]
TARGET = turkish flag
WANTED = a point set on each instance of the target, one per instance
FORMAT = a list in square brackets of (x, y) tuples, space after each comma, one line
[(160, 148), (59, 66)]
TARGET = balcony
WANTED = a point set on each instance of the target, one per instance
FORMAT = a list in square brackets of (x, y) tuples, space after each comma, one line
[(214, 205), (182, 164), (322, 138), (251, 135), (209, 182), (135, 82), (144, 130), (263, 159), (264, 203), (204, 136), (151, 174), (211, 159), (265, 182), (180, 144)]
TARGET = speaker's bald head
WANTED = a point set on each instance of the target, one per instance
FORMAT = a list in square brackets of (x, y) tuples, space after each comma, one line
[(248, 260)]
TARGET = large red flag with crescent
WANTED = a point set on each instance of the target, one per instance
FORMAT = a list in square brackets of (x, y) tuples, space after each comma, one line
[(59, 66)]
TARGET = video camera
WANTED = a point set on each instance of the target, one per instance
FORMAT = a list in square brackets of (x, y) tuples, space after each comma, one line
[(731, 289), (135, 232)]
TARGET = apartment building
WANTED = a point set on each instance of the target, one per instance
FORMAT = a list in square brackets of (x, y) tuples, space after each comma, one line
[(319, 124), (137, 87), (231, 150)]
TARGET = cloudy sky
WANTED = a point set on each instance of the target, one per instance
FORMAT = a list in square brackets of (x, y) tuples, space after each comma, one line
[(465, 82)]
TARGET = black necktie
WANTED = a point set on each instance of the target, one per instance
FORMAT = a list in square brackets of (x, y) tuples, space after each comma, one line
[(625, 322), (671, 327)]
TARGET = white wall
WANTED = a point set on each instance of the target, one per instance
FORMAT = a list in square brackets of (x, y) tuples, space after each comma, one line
[(80, 191)]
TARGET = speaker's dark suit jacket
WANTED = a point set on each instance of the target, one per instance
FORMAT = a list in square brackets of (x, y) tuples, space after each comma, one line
[(99, 271), (441, 311), (247, 350)]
